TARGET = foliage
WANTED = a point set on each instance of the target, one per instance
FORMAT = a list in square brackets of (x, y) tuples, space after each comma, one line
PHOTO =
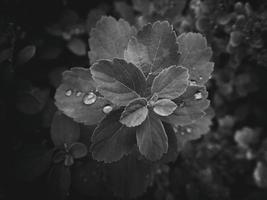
[(135, 120)]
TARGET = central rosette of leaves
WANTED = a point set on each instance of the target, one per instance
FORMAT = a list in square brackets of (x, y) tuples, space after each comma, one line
[(145, 106), (138, 81)]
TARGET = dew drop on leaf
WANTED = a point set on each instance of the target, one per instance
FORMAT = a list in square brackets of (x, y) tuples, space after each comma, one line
[(192, 83), (107, 109), (198, 96), (78, 94), (189, 130), (68, 93), (89, 98)]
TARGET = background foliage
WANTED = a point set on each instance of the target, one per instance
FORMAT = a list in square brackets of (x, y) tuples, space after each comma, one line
[(41, 39)]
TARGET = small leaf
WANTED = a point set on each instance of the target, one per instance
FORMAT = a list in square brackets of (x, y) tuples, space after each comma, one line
[(195, 55), (154, 46), (191, 106), (164, 107), (25, 54), (246, 137), (193, 131), (70, 95), (77, 46), (171, 82), (78, 150), (260, 175), (118, 81), (152, 140), (5, 54), (64, 130), (109, 39), (32, 100), (112, 140), (130, 177), (135, 113)]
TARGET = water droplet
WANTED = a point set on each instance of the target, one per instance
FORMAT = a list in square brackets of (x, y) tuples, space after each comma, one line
[(107, 109), (182, 133), (200, 78), (198, 96), (78, 93), (192, 83), (68, 93), (188, 130), (89, 98)]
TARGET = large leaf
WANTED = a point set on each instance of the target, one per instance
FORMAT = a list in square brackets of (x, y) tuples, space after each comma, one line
[(154, 47), (70, 95), (118, 81), (64, 130), (135, 113), (190, 106), (112, 140), (195, 55), (193, 131), (109, 39), (151, 138), (171, 82), (164, 107), (129, 177)]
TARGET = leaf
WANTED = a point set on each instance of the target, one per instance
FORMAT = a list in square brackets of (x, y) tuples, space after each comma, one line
[(191, 106), (170, 83), (118, 81), (112, 140), (64, 130), (135, 113), (246, 137), (77, 46), (129, 177), (109, 39), (260, 175), (78, 150), (32, 100), (152, 140), (172, 152), (193, 131), (76, 84), (195, 55), (5, 54), (154, 47), (164, 107), (25, 54), (59, 181)]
